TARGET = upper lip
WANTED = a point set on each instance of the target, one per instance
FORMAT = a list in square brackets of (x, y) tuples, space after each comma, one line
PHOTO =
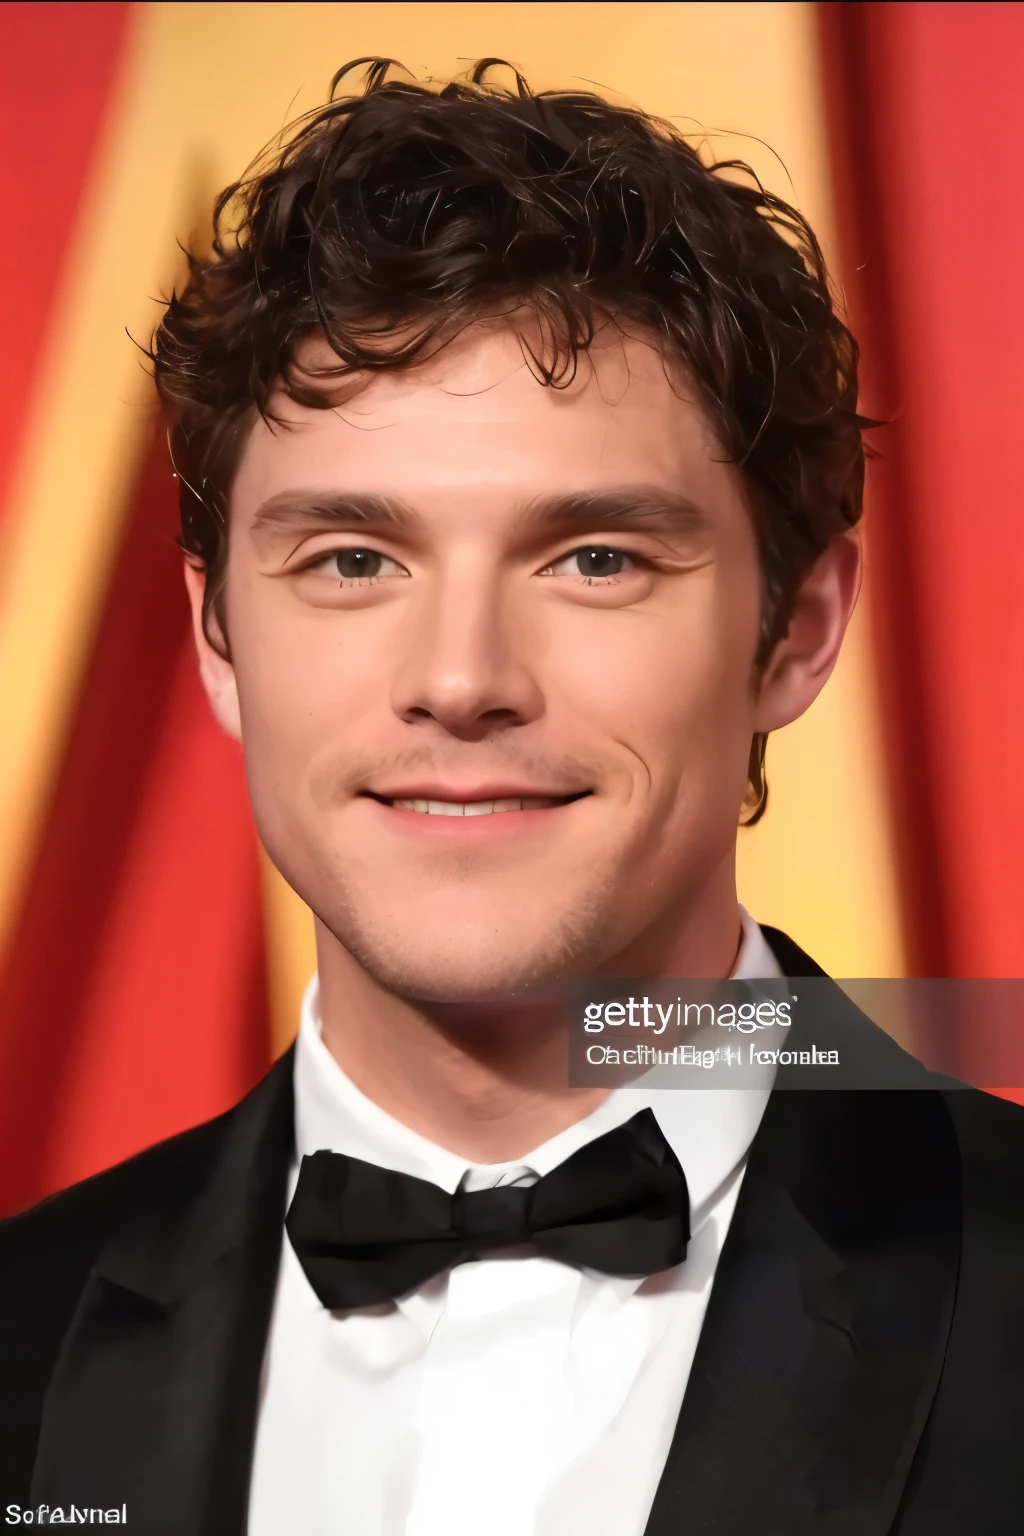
[(467, 794)]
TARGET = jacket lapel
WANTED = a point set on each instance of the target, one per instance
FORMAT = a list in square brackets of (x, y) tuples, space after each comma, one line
[(154, 1398), (826, 1331)]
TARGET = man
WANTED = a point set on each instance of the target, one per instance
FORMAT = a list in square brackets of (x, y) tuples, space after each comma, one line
[(520, 474)]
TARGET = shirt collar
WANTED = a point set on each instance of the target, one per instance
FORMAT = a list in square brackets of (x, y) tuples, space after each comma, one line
[(710, 1130)]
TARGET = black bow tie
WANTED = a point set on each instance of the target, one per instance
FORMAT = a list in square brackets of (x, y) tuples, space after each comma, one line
[(365, 1235)]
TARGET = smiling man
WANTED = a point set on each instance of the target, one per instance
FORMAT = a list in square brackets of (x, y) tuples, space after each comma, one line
[(493, 659), (520, 474), (500, 585)]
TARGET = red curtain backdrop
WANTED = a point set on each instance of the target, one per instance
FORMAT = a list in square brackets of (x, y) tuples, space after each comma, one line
[(132, 990), (133, 996), (928, 139), (57, 68)]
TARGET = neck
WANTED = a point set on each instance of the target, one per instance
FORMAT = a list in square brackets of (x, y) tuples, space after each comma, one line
[(489, 1081)]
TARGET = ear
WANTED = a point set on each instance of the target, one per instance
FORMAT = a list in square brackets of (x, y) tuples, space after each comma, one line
[(216, 671), (802, 661)]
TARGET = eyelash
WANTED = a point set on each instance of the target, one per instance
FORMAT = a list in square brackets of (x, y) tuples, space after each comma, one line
[(351, 581), (611, 580)]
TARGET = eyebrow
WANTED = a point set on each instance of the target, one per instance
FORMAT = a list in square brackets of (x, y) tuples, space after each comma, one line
[(330, 509), (627, 503)]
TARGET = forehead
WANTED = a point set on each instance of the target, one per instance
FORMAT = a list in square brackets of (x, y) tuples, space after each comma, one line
[(476, 417)]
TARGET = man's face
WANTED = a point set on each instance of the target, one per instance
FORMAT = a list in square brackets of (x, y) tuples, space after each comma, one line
[(493, 645)]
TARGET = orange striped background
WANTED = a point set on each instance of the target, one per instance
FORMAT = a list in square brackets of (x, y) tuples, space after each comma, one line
[(150, 959)]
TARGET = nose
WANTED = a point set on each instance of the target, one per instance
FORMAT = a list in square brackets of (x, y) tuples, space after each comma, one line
[(466, 655)]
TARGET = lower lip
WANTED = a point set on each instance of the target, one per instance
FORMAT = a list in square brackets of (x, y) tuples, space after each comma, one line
[(499, 824)]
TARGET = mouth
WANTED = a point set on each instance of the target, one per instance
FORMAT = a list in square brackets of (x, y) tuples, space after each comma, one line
[(474, 805)]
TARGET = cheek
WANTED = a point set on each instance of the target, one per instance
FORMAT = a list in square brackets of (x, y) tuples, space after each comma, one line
[(302, 693), (670, 682)]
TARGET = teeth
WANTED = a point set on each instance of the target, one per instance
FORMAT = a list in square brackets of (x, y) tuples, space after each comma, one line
[(477, 807)]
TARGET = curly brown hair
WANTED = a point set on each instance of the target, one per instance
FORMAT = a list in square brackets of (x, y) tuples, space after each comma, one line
[(389, 220)]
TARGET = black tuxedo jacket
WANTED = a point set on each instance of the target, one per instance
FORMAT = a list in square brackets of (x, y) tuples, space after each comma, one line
[(860, 1370)]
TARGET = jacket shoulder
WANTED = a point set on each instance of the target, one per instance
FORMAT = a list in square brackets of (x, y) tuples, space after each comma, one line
[(46, 1255), (49, 1253), (990, 1134), (989, 1131), (75, 1221)]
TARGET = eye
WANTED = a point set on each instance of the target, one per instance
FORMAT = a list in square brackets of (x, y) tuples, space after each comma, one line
[(359, 565), (595, 562)]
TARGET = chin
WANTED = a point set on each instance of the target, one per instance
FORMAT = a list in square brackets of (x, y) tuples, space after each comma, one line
[(458, 977), (461, 965)]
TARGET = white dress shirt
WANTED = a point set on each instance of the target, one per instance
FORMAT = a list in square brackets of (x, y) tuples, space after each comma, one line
[(510, 1396)]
